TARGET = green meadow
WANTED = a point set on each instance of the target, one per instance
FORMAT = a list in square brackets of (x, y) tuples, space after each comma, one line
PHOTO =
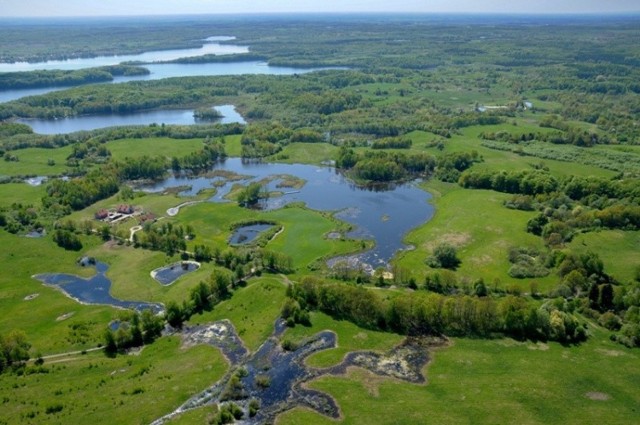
[(494, 381)]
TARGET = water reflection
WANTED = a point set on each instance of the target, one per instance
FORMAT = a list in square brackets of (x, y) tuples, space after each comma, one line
[(384, 214)]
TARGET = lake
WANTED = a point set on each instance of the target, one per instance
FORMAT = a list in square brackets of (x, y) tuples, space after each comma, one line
[(92, 122), (157, 71), (170, 70), (210, 46), (384, 215)]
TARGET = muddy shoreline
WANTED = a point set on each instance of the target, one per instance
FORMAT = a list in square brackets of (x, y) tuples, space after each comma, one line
[(276, 377)]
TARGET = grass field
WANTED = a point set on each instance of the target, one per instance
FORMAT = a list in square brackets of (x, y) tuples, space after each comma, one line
[(495, 381), (350, 338), (307, 153), (620, 262), (92, 388), (34, 161), (20, 193), (43, 318), (253, 310), (482, 229), (135, 148)]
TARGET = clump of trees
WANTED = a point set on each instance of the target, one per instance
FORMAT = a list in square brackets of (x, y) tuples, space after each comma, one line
[(377, 166), (135, 331), (251, 194), (14, 349), (19, 217), (444, 256), (202, 159), (165, 237)]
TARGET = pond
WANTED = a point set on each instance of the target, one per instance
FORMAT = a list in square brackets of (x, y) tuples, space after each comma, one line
[(92, 122), (94, 290), (247, 234), (382, 214), (168, 274)]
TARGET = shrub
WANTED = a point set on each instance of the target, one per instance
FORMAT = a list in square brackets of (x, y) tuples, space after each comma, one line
[(444, 256)]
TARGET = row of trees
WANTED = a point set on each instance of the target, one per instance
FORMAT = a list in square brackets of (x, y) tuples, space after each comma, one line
[(424, 313)]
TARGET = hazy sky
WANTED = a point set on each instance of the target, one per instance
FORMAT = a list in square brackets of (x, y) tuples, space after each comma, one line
[(10, 8)]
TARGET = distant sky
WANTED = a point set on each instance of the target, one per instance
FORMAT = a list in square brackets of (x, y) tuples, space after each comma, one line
[(51, 8)]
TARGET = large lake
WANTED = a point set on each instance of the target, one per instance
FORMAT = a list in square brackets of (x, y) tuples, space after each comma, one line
[(383, 215), (92, 122), (157, 71), (210, 46)]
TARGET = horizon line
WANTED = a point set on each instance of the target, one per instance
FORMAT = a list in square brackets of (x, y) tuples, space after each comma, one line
[(342, 13)]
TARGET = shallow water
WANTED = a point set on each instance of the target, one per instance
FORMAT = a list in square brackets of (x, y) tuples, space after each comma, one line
[(247, 234), (94, 290), (382, 214), (169, 274)]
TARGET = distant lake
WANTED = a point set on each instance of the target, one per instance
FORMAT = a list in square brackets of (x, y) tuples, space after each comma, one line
[(157, 71), (211, 46), (93, 122)]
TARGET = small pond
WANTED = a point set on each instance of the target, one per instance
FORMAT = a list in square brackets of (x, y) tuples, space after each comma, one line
[(168, 274), (92, 122), (247, 234), (94, 290), (382, 214)]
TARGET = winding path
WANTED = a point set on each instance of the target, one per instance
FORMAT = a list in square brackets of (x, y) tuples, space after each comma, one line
[(173, 211)]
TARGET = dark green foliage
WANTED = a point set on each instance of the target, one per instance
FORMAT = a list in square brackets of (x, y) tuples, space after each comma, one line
[(383, 166), (162, 237), (250, 195), (431, 313), (18, 218), (14, 349), (444, 256), (527, 263), (234, 390), (293, 314), (207, 294), (67, 240), (143, 328), (201, 160), (62, 78), (254, 406)]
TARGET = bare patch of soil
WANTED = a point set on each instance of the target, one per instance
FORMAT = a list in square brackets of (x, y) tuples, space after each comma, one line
[(597, 396), (65, 316), (610, 353), (31, 297), (455, 239)]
